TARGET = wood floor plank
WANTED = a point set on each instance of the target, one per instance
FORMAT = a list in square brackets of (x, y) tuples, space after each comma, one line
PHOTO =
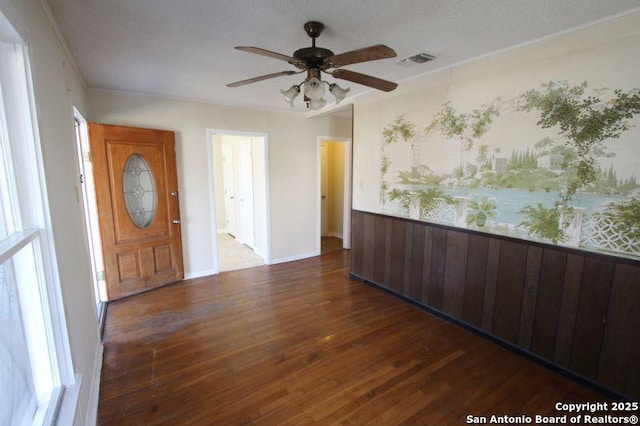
[(302, 343)]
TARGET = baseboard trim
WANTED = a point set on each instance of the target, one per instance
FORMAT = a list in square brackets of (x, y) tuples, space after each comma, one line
[(294, 258), (94, 392), (102, 317)]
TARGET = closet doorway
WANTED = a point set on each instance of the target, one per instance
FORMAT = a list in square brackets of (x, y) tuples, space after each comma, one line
[(240, 204), (335, 193)]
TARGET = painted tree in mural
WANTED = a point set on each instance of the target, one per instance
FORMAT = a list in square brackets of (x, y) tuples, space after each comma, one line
[(483, 157), (465, 128), (399, 130), (425, 192), (585, 120)]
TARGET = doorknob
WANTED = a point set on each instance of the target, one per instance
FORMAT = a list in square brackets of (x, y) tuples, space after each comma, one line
[(176, 221), (174, 193)]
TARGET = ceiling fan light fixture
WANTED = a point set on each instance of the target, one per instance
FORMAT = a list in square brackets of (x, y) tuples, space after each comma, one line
[(291, 94), (338, 92), (316, 60), (313, 88)]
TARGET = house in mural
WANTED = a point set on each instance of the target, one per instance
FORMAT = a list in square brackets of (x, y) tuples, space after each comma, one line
[(551, 162), (500, 165)]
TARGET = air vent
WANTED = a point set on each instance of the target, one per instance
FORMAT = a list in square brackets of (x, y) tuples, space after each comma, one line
[(420, 58)]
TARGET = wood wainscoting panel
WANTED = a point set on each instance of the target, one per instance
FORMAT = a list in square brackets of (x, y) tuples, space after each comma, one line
[(357, 245), (591, 317), (416, 263), (568, 309), (368, 246), (426, 265), (619, 367), (475, 278), (573, 309), (455, 273), (493, 260), (529, 296), (438, 267), (381, 248), (509, 287), (550, 286), (397, 249)]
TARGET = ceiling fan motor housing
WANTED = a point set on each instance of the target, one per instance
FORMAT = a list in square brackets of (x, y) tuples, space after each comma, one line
[(313, 57)]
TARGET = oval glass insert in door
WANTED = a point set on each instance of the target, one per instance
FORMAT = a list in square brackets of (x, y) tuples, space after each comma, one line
[(139, 190)]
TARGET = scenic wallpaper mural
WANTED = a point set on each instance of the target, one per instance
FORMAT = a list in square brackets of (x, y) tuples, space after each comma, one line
[(553, 157)]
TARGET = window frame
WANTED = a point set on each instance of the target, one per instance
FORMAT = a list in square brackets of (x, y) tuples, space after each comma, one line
[(30, 222)]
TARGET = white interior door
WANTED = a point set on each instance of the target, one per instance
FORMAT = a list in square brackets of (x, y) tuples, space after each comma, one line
[(246, 214), (229, 191)]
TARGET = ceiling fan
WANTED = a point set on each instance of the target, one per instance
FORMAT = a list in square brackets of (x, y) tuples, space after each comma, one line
[(315, 60)]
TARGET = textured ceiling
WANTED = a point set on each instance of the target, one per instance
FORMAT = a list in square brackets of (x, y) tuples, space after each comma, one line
[(184, 49)]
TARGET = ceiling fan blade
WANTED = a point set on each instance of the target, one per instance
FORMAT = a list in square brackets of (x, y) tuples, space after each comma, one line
[(262, 77), (270, 54), (365, 80), (371, 53)]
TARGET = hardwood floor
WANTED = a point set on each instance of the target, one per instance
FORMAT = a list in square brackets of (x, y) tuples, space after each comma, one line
[(328, 244), (301, 343)]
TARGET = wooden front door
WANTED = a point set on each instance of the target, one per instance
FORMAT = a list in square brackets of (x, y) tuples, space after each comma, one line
[(137, 198)]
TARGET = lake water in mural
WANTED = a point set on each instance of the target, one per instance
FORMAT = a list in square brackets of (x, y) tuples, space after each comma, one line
[(510, 202)]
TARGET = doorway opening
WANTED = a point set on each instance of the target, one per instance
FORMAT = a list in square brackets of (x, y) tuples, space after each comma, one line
[(335, 193), (87, 194), (240, 209)]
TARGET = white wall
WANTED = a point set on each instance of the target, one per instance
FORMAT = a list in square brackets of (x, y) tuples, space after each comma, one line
[(292, 164), (57, 89)]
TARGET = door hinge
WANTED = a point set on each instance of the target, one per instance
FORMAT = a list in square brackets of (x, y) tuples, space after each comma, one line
[(100, 276), (86, 156)]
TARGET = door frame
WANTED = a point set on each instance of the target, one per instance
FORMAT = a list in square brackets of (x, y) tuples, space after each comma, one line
[(348, 176), (91, 227), (212, 190)]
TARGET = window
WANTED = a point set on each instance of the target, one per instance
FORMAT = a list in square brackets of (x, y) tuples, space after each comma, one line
[(35, 363)]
